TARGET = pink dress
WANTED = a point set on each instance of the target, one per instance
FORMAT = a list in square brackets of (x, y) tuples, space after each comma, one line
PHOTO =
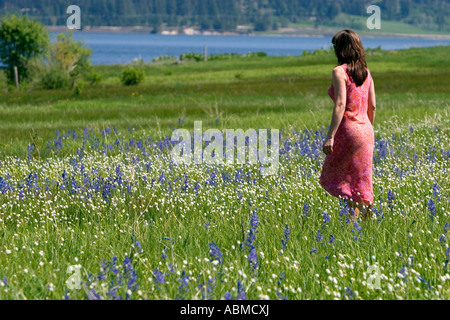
[(347, 171)]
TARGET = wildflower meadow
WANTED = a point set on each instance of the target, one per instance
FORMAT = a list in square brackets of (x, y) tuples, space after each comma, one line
[(103, 212)]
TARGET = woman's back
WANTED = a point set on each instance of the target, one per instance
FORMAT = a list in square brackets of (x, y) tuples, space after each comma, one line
[(357, 97)]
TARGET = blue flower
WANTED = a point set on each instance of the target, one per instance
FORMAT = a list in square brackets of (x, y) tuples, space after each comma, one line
[(252, 256), (285, 240), (254, 220), (137, 245), (432, 209), (332, 239), (348, 292), (184, 283), (241, 295), (214, 253), (305, 209), (326, 217), (163, 255), (280, 297), (93, 295), (319, 235), (158, 276)]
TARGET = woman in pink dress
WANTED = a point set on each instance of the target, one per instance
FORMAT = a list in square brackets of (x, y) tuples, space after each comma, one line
[(347, 169)]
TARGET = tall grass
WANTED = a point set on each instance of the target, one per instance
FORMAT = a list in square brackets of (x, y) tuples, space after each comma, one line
[(88, 181)]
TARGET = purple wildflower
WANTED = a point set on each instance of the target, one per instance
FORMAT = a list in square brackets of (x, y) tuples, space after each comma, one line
[(241, 295), (285, 240), (252, 256), (348, 292), (332, 239), (214, 253), (158, 276), (391, 198), (326, 217), (432, 209), (184, 283), (305, 209)]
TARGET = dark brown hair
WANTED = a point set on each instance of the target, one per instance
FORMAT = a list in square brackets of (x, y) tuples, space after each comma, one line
[(349, 49)]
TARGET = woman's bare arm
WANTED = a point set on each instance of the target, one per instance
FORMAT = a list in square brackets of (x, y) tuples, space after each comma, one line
[(372, 103), (340, 97)]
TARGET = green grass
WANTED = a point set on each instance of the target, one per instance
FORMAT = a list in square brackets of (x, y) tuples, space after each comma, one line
[(92, 198), (280, 88)]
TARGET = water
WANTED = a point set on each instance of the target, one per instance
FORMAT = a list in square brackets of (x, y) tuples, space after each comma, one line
[(112, 48)]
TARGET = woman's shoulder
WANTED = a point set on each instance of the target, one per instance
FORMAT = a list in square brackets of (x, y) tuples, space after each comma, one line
[(340, 71)]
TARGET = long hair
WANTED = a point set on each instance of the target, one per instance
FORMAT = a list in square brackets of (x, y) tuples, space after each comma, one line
[(349, 49)]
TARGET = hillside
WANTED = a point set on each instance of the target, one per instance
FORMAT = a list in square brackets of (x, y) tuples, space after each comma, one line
[(239, 15)]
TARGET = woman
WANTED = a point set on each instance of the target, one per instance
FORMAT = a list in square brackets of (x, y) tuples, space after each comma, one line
[(347, 170)]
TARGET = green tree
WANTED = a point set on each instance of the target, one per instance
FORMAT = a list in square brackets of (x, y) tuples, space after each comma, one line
[(66, 63), (70, 56), (21, 39)]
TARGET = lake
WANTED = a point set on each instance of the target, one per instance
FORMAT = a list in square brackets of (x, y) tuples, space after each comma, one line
[(113, 48)]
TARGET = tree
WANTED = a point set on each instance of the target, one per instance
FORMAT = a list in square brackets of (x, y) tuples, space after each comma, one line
[(21, 39), (67, 62), (70, 55)]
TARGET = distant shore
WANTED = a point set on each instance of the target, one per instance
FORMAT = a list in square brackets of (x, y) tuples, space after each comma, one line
[(300, 32)]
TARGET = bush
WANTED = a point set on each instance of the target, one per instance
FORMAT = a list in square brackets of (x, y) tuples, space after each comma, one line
[(132, 76), (257, 54), (164, 58), (192, 56), (93, 78), (78, 88), (54, 78)]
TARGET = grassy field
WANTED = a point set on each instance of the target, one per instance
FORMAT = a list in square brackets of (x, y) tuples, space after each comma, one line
[(87, 182), (282, 92)]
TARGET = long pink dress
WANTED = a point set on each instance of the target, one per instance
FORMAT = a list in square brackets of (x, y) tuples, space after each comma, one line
[(347, 171)]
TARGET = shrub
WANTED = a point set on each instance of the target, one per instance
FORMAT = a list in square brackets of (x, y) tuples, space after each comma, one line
[(257, 54), (164, 58), (93, 78), (192, 56), (54, 78), (132, 76), (78, 88)]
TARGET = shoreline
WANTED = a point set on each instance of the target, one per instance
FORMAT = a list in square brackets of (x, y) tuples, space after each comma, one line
[(283, 32)]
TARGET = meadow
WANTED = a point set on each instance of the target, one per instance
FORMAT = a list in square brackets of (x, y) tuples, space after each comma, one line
[(88, 184)]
